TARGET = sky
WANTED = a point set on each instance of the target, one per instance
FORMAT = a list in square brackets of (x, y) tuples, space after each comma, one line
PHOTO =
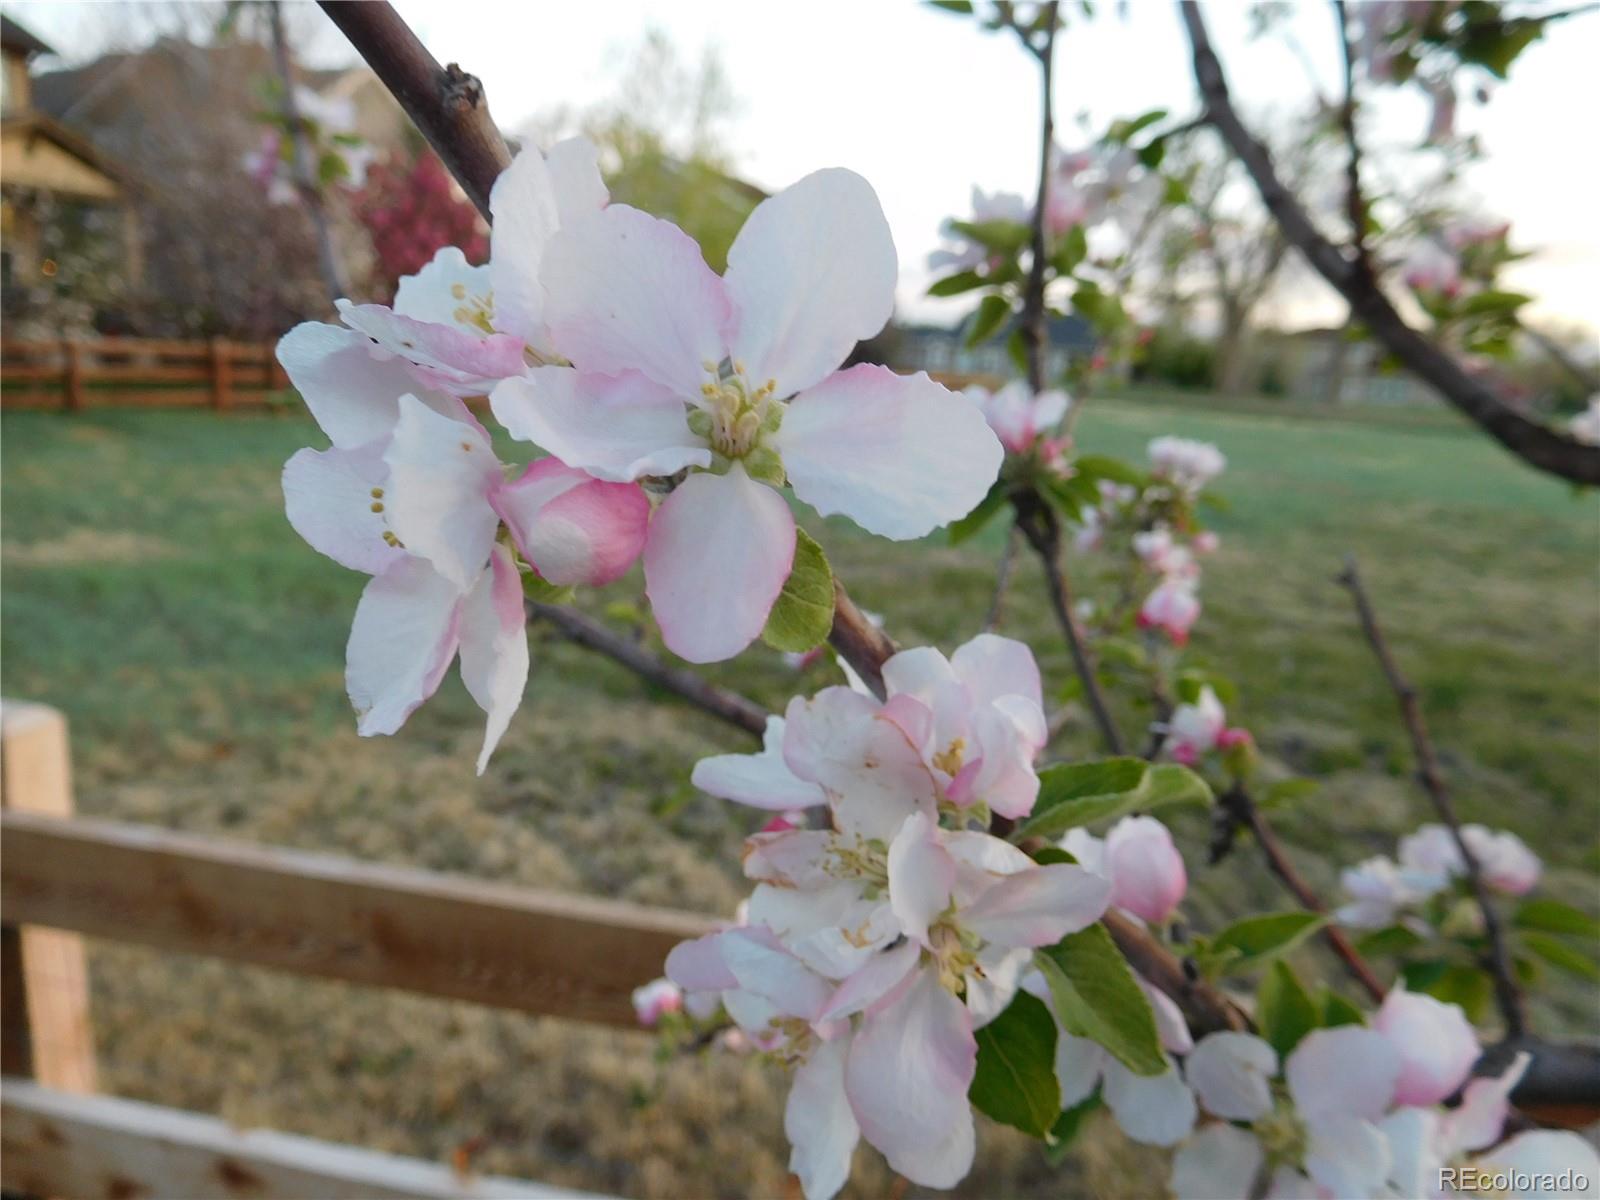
[(924, 105)]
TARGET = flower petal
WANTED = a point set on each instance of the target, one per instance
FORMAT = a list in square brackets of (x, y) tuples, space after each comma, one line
[(1481, 1116), (1348, 1071), (698, 966), (718, 552), (523, 205), (440, 475), (760, 780), (1553, 1156), (630, 292), (812, 272), (1080, 1063), (921, 875), (575, 177), (1229, 1073), (448, 357), (818, 1122), (866, 986), (403, 637), (764, 968), (572, 527), (907, 1077), (1218, 1161), (1037, 907), (1346, 1155), (1433, 1042), (992, 666), (1414, 1160), (873, 776), (619, 428), (328, 495), (494, 647), (430, 295), (1157, 1110), (353, 393), (899, 455), (792, 858), (1170, 1025)]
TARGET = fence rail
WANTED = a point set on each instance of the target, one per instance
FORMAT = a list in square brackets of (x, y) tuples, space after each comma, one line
[(539, 952), (73, 374)]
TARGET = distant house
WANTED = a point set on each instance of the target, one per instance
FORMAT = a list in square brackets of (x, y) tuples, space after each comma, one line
[(53, 180), (943, 348), (1328, 366)]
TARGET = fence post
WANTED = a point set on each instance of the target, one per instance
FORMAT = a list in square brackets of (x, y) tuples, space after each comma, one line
[(72, 375), (44, 982), (221, 375)]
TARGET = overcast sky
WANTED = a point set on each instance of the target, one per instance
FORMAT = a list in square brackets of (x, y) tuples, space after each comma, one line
[(925, 106)]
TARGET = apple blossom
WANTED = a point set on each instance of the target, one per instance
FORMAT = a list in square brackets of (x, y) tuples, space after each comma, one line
[(970, 253), (1186, 464), (736, 377), (1323, 1133), (655, 1000), (1172, 607), (1017, 415), (1380, 889), (1431, 269), (1205, 542), (1503, 858), (1194, 730), (1138, 858), (1433, 1041)]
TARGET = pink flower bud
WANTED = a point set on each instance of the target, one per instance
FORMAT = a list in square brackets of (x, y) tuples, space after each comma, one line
[(1507, 863), (1434, 1042), (1172, 608), (572, 527), (655, 1000), (1206, 542), (1229, 738), (1146, 871)]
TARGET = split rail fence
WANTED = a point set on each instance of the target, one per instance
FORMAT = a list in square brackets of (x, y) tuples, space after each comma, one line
[(138, 373), (542, 953)]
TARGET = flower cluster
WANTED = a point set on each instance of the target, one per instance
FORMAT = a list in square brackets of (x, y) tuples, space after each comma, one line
[(1102, 183), (1023, 419), (1353, 1111), (1381, 890), (872, 948), (602, 337), (338, 154), (1198, 727)]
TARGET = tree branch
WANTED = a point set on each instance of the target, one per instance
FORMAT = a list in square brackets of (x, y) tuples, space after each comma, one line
[(445, 103), (1205, 1009), (304, 173), (1240, 808), (858, 641), (1534, 443), (1354, 200), (1507, 994), (721, 703)]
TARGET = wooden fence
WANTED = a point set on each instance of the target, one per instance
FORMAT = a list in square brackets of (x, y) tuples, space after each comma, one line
[(137, 373), (536, 952)]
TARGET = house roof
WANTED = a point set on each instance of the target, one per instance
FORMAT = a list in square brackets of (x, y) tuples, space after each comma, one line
[(15, 37), (39, 125)]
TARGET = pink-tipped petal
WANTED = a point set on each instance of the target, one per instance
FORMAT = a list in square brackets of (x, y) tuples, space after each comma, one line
[(907, 1077), (1038, 907), (760, 780), (352, 389), (900, 455), (573, 528), (447, 357), (719, 550), (1147, 873), (1433, 1042), (992, 666), (631, 292), (494, 647), (811, 273), (881, 974)]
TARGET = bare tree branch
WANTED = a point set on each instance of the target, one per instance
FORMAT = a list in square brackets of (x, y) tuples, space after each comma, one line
[(1507, 994), (445, 103), (1355, 200), (1534, 443), (585, 631)]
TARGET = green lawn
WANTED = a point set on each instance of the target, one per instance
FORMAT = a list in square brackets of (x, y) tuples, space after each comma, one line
[(153, 591)]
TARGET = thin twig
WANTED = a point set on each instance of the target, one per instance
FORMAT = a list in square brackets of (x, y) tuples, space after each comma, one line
[(585, 631), (304, 172), (1035, 327), (1002, 581), (1355, 200), (1507, 994), (1240, 808), (445, 103), (1533, 442), (1205, 1009)]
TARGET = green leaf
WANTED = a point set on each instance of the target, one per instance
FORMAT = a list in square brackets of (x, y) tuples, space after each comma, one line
[(803, 614), (1257, 940), (1015, 1082), (1152, 152), (1017, 350), (960, 7), (954, 285), (1285, 792), (1121, 131), (1102, 466), (1284, 1012), (1395, 939), (1045, 855), (1466, 986), (1336, 1010), (537, 588), (1067, 1128), (1073, 794), (1558, 954), (1552, 916), (962, 529), (992, 313), (1484, 303), (1070, 251), (1003, 237), (1096, 996)]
